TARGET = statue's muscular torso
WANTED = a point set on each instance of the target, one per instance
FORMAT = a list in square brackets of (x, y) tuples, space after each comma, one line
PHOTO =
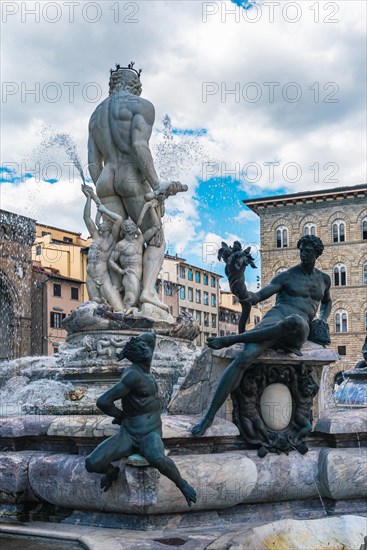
[(301, 293), (142, 404), (111, 126)]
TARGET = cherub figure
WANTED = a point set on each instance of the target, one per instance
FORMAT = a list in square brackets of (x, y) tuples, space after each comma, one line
[(105, 234), (251, 423), (126, 260), (236, 260), (304, 389)]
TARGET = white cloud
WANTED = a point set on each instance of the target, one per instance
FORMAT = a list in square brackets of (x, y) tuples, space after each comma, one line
[(179, 54), (245, 215)]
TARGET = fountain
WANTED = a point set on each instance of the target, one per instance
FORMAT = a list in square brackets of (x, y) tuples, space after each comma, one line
[(352, 393), (247, 474)]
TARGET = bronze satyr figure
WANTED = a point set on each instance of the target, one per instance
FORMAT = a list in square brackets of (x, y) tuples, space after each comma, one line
[(140, 420), (299, 292)]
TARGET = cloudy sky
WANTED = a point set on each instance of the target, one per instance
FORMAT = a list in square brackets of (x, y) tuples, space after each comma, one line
[(263, 98)]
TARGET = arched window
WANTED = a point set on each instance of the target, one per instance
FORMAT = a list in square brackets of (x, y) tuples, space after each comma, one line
[(282, 237), (339, 275), (364, 229), (309, 229), (365, 273), (338, 231), (341, 321)]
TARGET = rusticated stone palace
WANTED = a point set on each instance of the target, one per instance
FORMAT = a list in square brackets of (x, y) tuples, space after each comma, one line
[(339, 217)]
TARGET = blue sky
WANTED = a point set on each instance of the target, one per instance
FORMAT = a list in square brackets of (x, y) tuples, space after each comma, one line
[(202, 64)]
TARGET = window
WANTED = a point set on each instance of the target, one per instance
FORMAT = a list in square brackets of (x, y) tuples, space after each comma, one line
[(364, 229), (365, 274), (56, 349), (168, 289), (256, 319), (212, 282), (340, 275), (338, 231), (198, 317), (44, 233), (67, 240), (190, 294), (341, 321), (74, 293), (38, 250), (190, 312), (206, 298), (235, 300), (57, 290), (221, 332), (281, 269), (214, 320), (213, 300), (206, 319), (182, 272), (282, 237), (55, 319), (342, 350), (197, 277), (182, 293), (309, 229), (197, 296), (233, 318), (205, 277), (189, 274)]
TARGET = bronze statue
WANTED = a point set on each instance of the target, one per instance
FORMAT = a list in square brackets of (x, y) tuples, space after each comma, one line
[(236, 260), (363, 363), (299, 291), (140, 420), (304, 390)]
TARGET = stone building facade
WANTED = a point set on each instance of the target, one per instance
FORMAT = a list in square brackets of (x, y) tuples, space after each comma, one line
[(339, 217), (17, 234), (191, 289), (54, 296), (199, 296)]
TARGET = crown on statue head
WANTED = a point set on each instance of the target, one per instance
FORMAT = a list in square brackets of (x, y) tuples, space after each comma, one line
[(130, 67)]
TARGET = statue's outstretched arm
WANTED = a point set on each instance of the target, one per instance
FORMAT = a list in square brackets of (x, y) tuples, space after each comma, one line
[(116, 226), (269, 290), (106, 403), (91, 226), (114, 266)]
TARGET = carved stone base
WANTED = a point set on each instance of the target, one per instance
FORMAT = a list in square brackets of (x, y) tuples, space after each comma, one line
[(275, 401), (92, 317)]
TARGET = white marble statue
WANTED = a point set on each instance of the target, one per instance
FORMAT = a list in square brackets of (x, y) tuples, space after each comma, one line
[(122, 168), (126, 260), (105, 235)]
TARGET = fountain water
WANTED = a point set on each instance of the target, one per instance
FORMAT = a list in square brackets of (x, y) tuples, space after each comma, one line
[(53, 140)]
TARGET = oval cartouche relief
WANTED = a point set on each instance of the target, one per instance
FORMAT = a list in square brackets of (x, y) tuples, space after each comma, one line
[(276, 406)]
